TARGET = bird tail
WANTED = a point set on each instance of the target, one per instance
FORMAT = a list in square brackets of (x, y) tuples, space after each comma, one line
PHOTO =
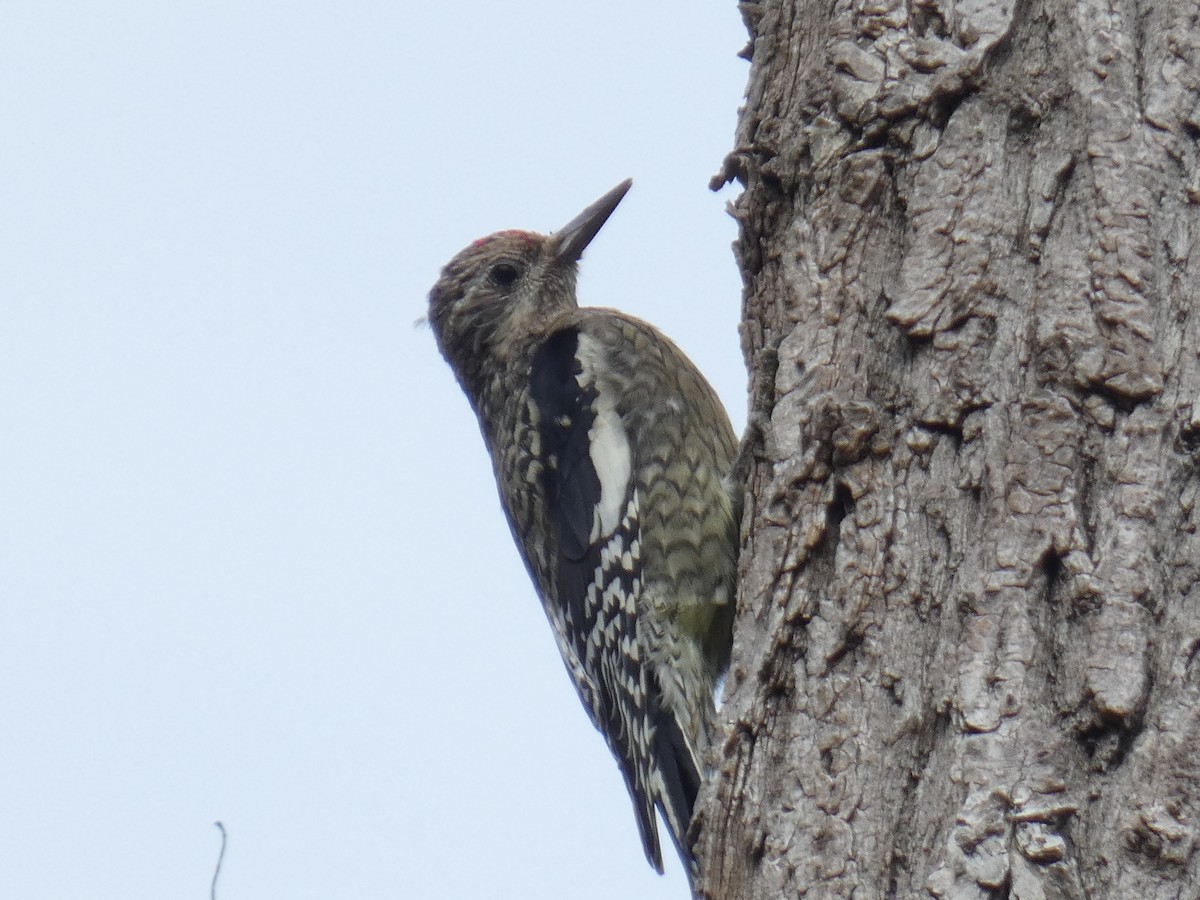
[(678, 767), (643, 810)]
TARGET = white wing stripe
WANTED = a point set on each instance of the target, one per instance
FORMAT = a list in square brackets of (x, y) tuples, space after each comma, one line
[(608, 446)]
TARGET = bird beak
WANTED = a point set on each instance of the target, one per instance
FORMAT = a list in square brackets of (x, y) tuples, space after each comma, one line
[(568, 243)]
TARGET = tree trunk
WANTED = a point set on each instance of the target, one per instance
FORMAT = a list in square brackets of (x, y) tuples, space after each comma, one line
[(965, 661)]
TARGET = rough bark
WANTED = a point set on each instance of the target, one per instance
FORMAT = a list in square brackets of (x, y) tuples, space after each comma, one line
[(966, 652)]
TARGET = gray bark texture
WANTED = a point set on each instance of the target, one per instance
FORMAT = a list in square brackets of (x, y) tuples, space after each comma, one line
[(965, 662)]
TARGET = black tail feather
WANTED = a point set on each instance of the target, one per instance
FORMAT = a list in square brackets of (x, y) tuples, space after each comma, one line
[(680, 772), (643, 811)]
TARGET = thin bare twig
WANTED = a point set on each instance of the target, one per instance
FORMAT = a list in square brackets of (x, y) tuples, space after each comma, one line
[(220, 859)]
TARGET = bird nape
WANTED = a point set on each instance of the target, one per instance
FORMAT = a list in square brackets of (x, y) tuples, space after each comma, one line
[(611, 454)]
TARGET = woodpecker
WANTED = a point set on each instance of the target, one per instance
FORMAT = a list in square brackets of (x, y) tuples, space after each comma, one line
[(611, 454)]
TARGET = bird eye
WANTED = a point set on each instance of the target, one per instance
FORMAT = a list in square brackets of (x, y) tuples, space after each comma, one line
[(503, 274)]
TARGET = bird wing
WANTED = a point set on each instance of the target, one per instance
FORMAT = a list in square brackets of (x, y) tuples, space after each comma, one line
[(592, 600)]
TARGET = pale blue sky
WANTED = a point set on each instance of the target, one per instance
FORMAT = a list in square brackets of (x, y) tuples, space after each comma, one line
[(252, 566)]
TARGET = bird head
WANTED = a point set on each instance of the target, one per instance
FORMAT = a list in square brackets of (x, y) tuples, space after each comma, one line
[(508, 289)]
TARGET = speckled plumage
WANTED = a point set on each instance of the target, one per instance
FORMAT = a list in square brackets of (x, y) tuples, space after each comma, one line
[(610, 452)]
